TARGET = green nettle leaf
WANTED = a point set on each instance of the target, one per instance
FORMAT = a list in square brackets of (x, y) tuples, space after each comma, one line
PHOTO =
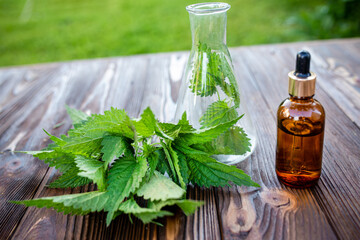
[(130, 206), (113, 122), (37, 154), (160, 187), (70, 179), (113, 147), (86, 146), (146, 215), (124, 178), (76, 116), (170, 162), (201, 83), (213, 149), (146, 126), (56, 140), (79, 204), (65, 163), (226, 68), (173, 130), (206, 171), (175, 160), (217, 113), (184, 124), (153, 160), (235, 141), (184, 169), (187, 206), (208, 134), (168, 130), (212, 69), (92, 169), (163, 165), (55, 158), (161, 131)]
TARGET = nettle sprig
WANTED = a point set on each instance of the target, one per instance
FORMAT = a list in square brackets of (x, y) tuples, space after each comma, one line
[(129, 161), (213, 75)]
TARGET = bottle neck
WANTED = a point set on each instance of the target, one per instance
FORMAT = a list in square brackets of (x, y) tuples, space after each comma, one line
[(301, 99), (209, 27), (302, 87)]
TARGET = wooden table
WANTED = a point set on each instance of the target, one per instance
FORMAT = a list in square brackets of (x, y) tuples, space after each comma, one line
[(33, 97)]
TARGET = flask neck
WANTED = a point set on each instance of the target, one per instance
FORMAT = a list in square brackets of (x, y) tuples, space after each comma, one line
[(208, 24)]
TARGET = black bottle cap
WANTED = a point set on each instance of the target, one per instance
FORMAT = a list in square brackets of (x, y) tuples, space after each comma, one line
[(302, 69)]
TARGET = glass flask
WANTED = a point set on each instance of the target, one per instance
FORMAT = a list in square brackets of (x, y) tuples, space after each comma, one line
[(209, 91)]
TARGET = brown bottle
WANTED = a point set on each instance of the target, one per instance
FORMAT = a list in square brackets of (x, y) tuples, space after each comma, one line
[(300, 131)]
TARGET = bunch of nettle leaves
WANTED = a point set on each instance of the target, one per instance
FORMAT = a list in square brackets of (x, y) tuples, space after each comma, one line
[(144, 150)]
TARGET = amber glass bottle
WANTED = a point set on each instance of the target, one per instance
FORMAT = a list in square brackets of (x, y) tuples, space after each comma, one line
[(300, 130)]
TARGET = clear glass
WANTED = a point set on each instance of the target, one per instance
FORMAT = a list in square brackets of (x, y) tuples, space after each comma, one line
[(209, 92)]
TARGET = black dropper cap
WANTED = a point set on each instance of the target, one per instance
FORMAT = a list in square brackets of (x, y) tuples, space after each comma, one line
[(302, 69)]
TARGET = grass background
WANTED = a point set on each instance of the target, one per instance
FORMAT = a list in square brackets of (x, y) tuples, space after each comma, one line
[(34, 31)]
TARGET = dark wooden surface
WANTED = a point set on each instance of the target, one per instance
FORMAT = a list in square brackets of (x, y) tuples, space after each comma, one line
[(33, 97)]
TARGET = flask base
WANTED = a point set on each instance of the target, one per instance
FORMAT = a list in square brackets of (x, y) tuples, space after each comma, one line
[(234, 159), (230, 159)]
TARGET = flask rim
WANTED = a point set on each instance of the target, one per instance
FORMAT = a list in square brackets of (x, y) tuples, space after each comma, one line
[(208, 8)]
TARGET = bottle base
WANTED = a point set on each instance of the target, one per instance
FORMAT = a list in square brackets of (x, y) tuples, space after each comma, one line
[(298, 180)]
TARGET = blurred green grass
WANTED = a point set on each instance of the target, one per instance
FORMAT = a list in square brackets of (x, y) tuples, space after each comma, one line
[(33, 31)]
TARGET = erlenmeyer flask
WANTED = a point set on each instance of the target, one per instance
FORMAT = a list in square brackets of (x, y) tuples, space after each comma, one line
[(209, 92)]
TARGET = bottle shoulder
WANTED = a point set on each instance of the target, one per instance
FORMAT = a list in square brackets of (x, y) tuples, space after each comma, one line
[(301, 105), (301, 117), (310, 109)]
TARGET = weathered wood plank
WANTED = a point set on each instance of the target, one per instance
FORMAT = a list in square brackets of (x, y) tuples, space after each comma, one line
[(34, 106), (33, 97), (205, 223)]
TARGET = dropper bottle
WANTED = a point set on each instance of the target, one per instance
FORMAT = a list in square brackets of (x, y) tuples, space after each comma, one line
[(300, 130)]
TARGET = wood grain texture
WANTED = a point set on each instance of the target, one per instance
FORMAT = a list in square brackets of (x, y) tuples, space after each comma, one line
[(33, 97)]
